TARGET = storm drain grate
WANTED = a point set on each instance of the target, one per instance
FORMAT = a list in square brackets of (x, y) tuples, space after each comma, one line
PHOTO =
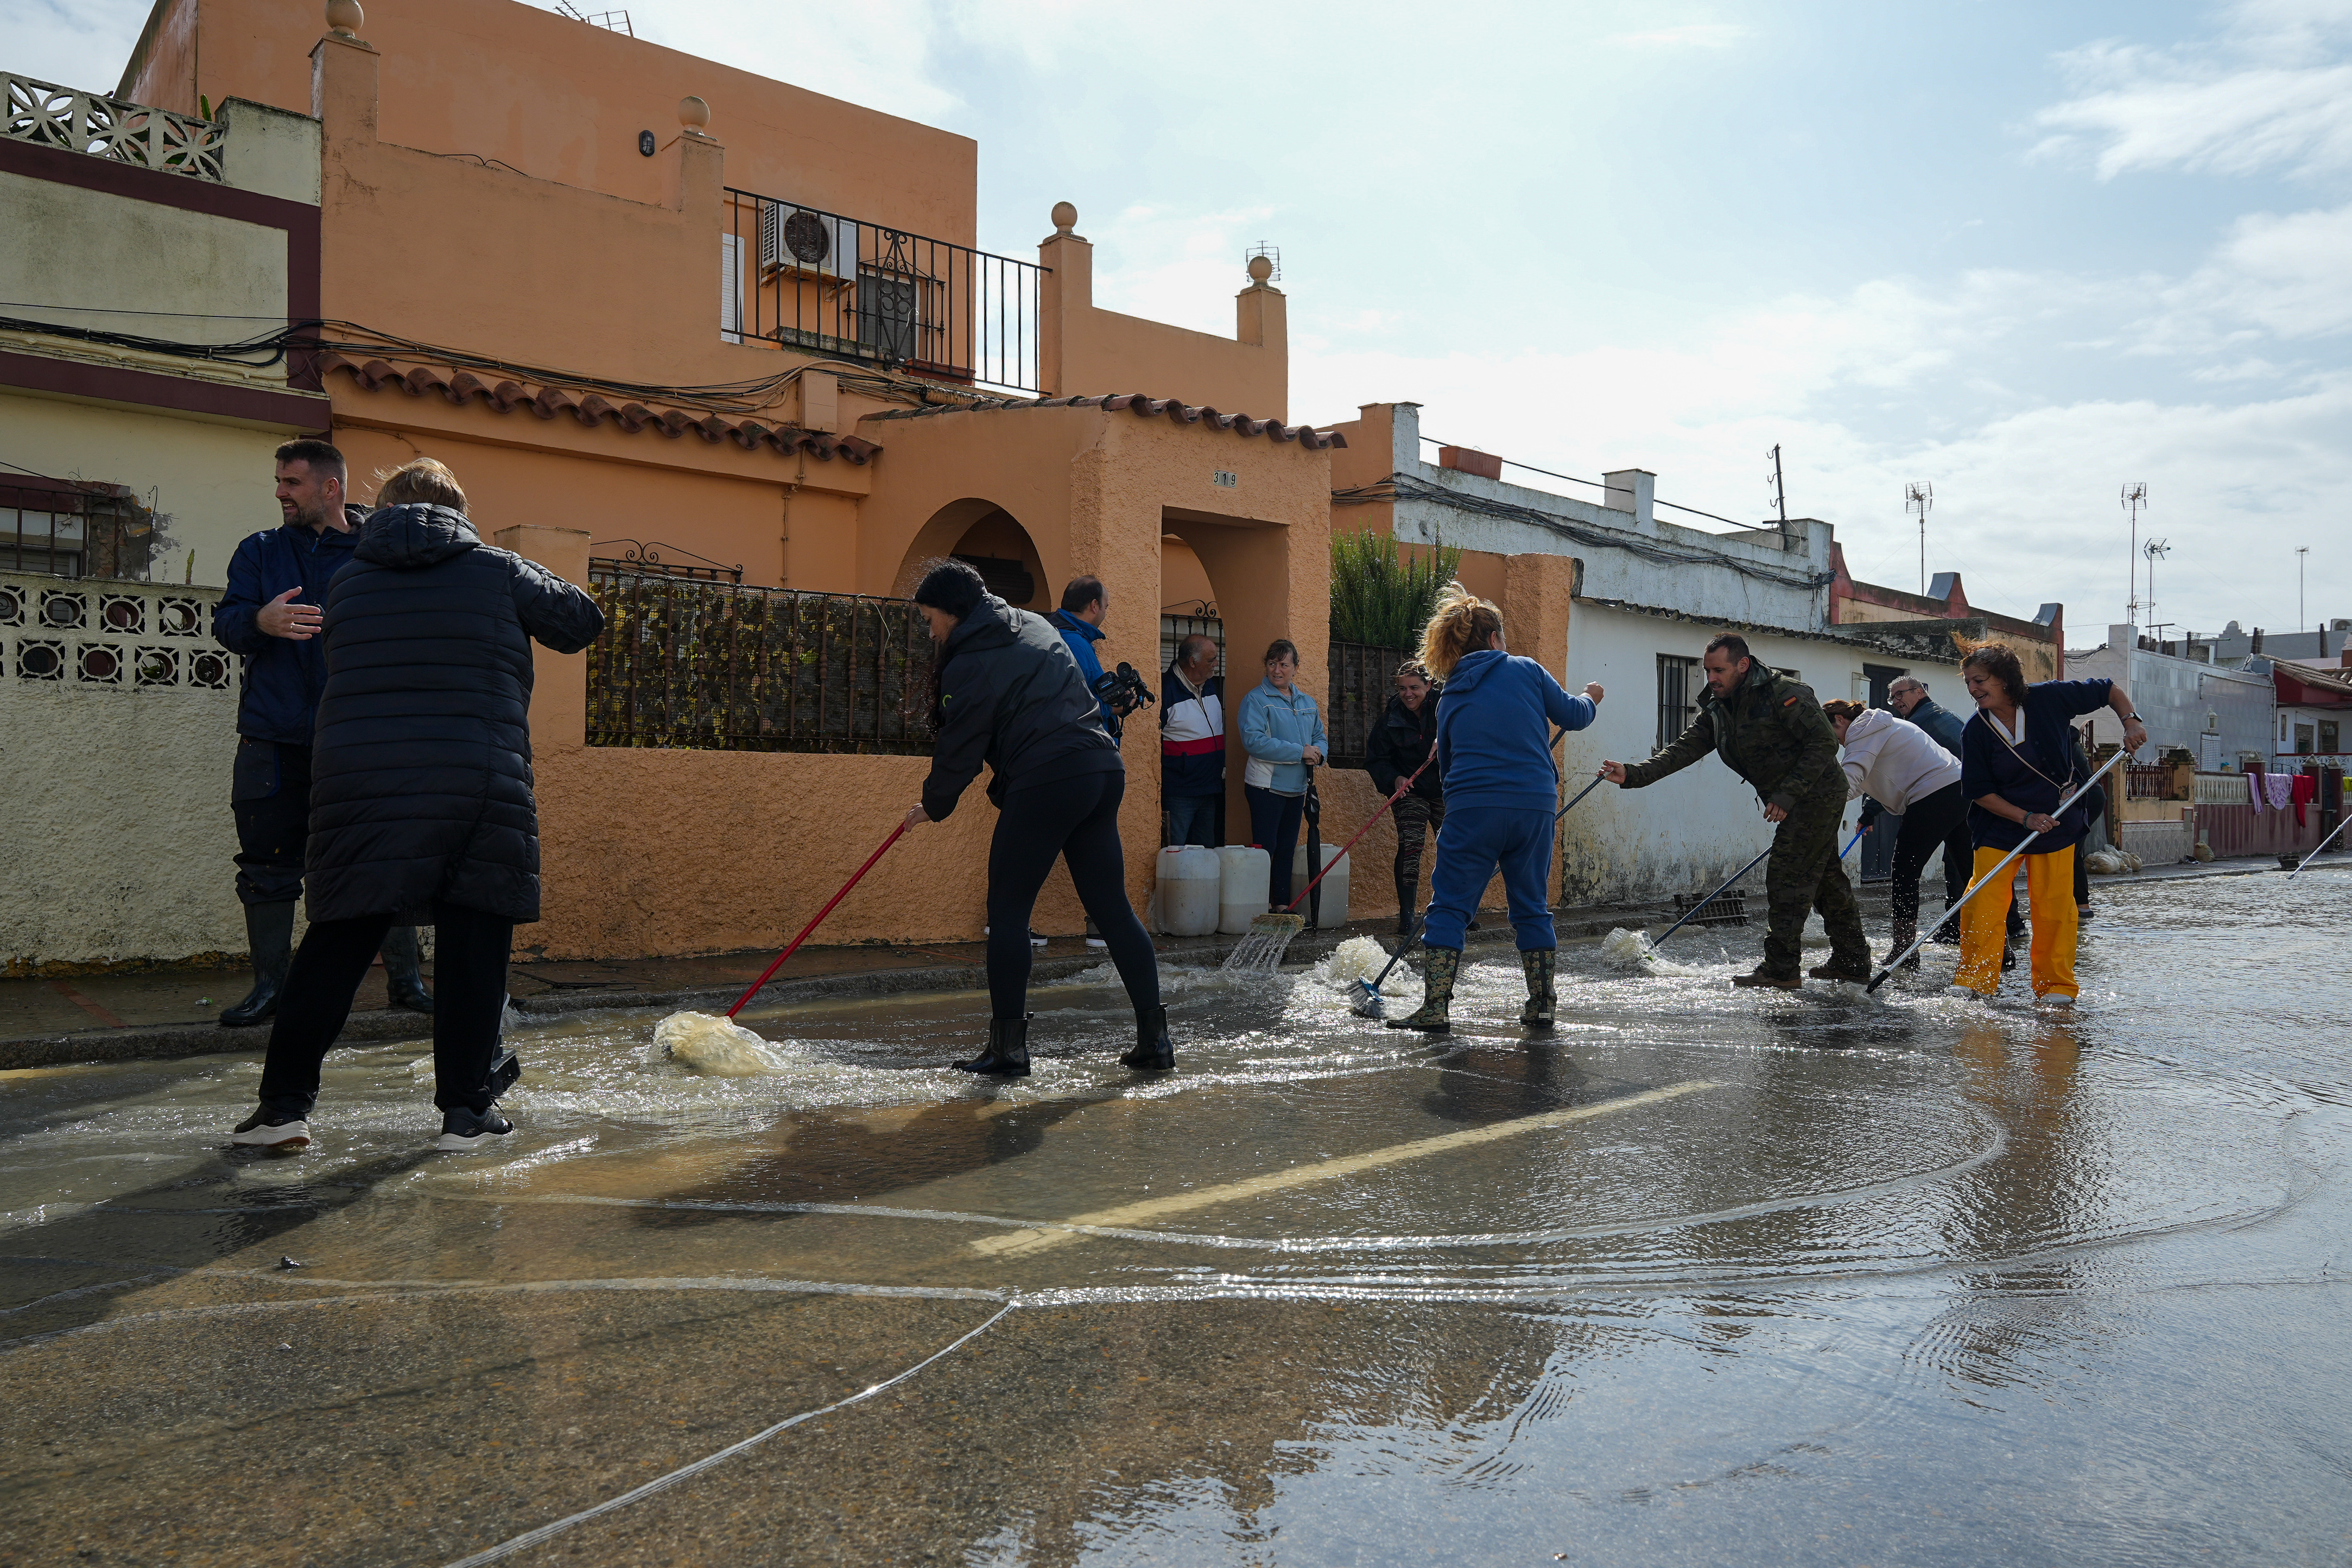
[(1728, 909)]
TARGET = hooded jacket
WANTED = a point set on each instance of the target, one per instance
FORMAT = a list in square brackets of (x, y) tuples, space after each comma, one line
[(1081, 636), (283, 677), (1011, 696), (1494, 732), (1893, 761), (421, 782), (1771, 731), (1401, 742)]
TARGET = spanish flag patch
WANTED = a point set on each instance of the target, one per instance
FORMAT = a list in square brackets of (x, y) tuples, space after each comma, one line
[(1790, 703)]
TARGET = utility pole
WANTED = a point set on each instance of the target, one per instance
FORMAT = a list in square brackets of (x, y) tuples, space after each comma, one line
[(1919, 496), (2134, 497), (2302, 621), (2156, 550), (1780, 487)]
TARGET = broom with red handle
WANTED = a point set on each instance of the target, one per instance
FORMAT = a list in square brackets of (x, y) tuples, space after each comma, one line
[(764, 974)]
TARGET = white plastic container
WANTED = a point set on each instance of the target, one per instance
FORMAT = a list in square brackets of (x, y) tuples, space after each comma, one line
[(1334, 890), (1188, 891), (1244, 873)]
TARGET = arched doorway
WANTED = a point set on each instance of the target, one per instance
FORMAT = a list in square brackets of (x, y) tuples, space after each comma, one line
[(992, 541)]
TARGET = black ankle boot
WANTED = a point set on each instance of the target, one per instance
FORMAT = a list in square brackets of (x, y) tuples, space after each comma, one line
[(404, 985), (1007, 1055), (269, 931), (1154, 1052)]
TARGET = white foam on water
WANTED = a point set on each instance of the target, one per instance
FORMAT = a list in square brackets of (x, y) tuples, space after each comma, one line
[(1626, 949), (717, 1047), (1357, 958)]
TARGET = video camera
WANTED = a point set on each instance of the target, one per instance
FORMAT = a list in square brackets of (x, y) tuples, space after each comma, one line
[(1123, 689)]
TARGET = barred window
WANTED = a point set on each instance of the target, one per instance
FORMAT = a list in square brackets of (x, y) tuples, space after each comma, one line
[(1680, 681)]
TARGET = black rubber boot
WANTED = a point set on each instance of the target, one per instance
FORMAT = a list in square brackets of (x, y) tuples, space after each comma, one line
[(1898, 938), (269, 931), (1434, 1016), (1154, 1052), (1540, 967), (1007, 1055), (402, 982)]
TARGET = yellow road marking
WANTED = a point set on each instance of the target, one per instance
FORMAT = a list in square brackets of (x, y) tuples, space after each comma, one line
[(1020, 1243)]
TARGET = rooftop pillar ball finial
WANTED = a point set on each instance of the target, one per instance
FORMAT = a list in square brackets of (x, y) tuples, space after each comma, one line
[(1065, 217), (693, 113), (1261, 267), (344, 18)]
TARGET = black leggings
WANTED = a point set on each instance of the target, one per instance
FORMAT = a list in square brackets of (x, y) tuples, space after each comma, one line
[(469, 987), (1076, 819), (1927, 825)]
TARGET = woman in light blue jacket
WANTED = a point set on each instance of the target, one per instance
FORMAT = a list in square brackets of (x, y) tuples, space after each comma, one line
[(1282, 731)]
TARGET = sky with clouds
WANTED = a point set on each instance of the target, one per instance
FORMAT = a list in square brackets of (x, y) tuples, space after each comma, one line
[(2023, 252)]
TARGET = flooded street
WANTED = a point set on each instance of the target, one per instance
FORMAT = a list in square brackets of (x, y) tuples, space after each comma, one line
[(1699, 1276)]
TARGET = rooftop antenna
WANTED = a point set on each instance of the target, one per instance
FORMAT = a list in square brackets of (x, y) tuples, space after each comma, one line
[(1780, 487), (2302, 621), (2156, 550), (1919, 496), (2134, 497)]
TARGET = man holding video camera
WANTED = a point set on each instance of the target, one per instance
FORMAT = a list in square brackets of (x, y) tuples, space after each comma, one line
[(1085, 605)]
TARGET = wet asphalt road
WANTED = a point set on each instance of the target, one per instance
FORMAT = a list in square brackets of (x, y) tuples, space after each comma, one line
[(1701, 1277)]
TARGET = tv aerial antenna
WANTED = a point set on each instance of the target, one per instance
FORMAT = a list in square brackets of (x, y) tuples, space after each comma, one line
[(2135, 496), (2155, 550), (1920, 496)]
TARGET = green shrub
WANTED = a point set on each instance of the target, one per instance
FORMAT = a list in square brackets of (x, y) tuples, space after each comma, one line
[(1382, 597)]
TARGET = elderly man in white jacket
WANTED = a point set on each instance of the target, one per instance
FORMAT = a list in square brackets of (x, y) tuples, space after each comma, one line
[(1901, 767)]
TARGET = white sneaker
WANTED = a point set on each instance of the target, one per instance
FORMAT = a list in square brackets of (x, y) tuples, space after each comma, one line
[(262, 1131)]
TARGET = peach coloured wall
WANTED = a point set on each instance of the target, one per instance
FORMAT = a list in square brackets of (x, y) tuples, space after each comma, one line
[(562, 101), (1183, 581), (1087, 352)]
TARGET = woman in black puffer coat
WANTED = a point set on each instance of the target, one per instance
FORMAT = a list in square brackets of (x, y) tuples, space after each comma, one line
[(421, 806), (1405, 739)]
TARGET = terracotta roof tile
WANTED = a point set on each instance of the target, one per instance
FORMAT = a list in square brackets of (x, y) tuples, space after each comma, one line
[(594, 408), (1142, 407)]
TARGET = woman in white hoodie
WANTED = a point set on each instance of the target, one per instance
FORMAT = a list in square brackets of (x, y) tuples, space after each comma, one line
[(1903, 768)]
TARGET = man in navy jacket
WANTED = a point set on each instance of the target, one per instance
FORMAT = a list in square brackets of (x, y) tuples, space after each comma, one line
[(1192, 742), (270, 613)]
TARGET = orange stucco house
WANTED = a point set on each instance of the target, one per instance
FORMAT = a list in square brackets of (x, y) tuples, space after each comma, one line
[(730, 340)]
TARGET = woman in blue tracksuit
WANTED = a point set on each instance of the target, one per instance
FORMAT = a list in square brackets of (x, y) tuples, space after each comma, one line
[(1282, 733), (1494, 748)]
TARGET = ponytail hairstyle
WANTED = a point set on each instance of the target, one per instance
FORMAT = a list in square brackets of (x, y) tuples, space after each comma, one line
[(1463, 624), (1839, 709)]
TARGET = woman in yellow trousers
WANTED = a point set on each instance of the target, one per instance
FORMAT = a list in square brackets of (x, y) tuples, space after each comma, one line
[(2016, 768)]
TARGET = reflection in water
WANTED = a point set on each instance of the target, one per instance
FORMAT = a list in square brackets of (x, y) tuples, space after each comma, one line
[(1904, 1247)]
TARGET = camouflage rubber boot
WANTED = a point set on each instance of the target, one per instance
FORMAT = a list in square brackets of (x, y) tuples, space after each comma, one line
[(1540, 967), (1437, 975)]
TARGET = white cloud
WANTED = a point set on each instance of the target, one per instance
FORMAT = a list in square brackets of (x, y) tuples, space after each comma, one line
[(2271, 91)]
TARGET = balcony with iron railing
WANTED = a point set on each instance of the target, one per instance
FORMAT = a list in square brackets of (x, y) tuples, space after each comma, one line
[(90, 122), (800, 278)]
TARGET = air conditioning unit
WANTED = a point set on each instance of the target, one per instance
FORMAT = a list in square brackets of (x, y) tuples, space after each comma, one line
[(802, 240)]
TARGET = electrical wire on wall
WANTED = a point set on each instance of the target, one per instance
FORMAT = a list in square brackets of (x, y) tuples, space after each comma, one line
[(324, 335), (1406, 488)]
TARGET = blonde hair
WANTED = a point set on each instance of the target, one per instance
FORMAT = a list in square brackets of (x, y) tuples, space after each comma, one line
[(422, 481), (1463, 624)]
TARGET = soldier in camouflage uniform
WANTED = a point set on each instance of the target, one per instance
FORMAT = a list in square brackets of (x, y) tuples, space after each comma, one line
[(1772, 731)]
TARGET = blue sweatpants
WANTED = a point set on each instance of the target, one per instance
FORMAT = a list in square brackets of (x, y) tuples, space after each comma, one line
[(1475, 843)]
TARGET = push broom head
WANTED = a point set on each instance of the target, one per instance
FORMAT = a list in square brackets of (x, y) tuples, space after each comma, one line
[(1268, 936)]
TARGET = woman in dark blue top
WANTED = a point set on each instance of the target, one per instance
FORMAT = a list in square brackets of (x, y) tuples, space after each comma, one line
[(2017, 766)]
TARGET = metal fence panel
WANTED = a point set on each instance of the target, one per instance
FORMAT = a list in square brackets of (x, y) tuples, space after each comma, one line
[(718, 666), (1362, 677)]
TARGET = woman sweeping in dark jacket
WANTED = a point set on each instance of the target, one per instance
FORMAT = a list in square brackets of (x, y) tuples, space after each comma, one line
[(1010, 695), (421, 806), (2017, 765), (1398, 745)]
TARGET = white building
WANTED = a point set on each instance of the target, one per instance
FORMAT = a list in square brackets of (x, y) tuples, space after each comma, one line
[(1649, 595), (2192, 699)]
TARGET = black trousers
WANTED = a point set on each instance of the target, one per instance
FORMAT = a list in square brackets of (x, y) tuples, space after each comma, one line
[(470, 993), (1077, 820), (1928, 824), (1274, 824), (270, 796)]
